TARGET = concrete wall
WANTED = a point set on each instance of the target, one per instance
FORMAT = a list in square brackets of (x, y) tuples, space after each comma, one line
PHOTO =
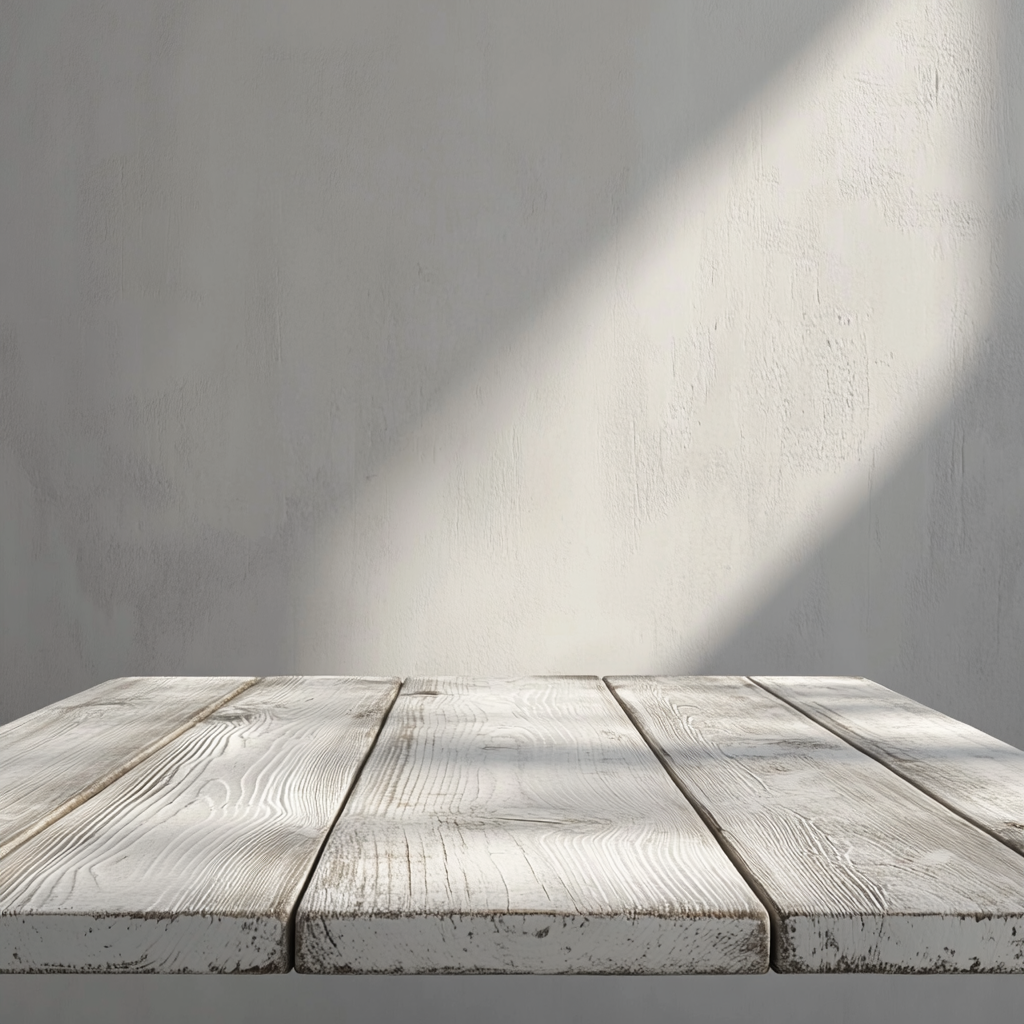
[(493, 338)]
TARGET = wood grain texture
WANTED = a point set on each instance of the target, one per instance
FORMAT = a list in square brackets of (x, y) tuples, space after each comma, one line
[(193, 861), (61, 755), (506, 826), (973, 773), (861, 870)]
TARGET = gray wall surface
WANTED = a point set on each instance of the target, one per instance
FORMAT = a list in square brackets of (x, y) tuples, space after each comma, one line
[(492, 338)]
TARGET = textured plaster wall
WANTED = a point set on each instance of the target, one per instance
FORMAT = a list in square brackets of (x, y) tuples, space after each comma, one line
[(494, 338)]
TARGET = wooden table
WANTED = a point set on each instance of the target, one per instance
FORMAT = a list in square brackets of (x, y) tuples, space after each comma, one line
[(542, 825)]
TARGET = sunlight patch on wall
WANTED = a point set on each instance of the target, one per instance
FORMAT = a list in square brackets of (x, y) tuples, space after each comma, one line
[(710, 396)]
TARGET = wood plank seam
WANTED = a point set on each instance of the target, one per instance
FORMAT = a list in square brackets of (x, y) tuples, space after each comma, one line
[(98, 785), (864, 749), (193, 861), (327, 835), (867, 872), (774, 917)]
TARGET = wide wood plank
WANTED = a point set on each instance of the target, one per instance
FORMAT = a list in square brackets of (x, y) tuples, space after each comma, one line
[(505, 826), (973, 773), (861, 870), (59, 756), (194, 860)]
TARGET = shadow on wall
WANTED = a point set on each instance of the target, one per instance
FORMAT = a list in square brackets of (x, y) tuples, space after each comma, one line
[(943, 530), (244, 256)]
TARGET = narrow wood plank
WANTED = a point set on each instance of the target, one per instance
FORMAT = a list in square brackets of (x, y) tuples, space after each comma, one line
[(969, 771), (194, 860), (861, 870), (522, 826), (59, 756)]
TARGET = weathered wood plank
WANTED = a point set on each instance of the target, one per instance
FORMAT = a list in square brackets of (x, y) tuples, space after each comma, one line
[(59, 756), (860, 870), (193, 861), (973, 773), (507, 826)]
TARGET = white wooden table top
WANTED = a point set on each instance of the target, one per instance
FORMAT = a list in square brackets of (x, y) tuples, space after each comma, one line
[(542, 825), (59, 756)]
